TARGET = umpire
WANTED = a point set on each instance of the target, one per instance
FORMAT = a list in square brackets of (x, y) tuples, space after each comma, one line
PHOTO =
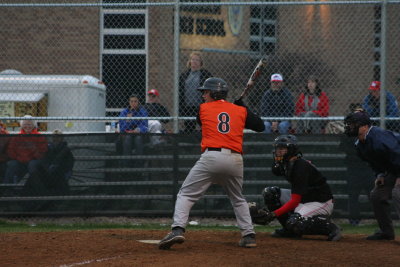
[(381, 149), (221, 162)]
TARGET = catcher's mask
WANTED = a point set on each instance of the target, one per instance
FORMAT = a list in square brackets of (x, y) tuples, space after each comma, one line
[(354, 121), (290, 143), (217, 86)]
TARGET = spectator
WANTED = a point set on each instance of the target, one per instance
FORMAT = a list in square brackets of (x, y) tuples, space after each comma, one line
[(189, 97), (155, 109), (310, 104), (4, 140), (131, 129), (59, 162), (371, 104), (25, 151), (277, 102), (56, 169)]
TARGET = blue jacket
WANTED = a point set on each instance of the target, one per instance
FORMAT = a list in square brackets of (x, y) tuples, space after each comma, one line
[(372, 105), (133, 124), (381, 150), (277, 103)]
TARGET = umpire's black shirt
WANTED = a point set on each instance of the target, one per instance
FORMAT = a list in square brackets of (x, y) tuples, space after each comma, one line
[(381, 149)]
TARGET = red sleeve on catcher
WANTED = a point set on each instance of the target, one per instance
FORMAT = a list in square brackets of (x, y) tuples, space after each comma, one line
[(289, 206)]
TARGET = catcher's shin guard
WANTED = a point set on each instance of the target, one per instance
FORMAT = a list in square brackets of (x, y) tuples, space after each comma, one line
[(316, 225), (284, 218)]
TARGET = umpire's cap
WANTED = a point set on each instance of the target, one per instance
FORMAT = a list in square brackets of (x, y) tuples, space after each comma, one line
[(360, 118), (354, 121), (214, 84)]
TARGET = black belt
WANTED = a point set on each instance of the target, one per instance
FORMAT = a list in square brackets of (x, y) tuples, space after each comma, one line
[(219, 149)]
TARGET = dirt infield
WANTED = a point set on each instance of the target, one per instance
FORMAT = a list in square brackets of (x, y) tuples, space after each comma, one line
[(202, 248)]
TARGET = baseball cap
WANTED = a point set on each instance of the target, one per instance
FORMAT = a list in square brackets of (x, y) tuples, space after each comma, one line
[(375, 86), (276, 77), (153, 92), (359, 117)]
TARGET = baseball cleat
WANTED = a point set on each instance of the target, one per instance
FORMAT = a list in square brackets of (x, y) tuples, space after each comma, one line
[(248, 241), (174, 237), (284, 233), (380, 236)]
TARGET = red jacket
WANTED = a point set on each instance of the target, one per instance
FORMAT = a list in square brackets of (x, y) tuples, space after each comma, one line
[(27, 148), (322, 107)]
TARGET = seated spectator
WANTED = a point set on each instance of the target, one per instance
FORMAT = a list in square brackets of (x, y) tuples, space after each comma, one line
[(277, 102), (371, 104), (26, 152), (310, 104), (155, 109), (130, 129), (55, 170), (58, 164), (4, 140)]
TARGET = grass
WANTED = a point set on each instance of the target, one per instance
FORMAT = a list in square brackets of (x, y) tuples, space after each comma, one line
[(7, 227), (48, 227)]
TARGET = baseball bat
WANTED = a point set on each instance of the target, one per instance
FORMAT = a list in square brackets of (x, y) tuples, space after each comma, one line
[(254, 76)]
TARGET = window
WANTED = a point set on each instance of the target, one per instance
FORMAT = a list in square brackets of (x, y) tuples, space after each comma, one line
[(124, 21), (124, 41), (263, 29), (125, 76), (124, 53)]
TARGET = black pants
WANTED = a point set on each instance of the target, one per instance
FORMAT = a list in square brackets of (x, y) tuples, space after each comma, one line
[(355, 185), (46, 184), (124, 146), (380, 197)]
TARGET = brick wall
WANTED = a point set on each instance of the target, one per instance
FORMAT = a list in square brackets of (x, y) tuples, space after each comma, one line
[(50, 40)]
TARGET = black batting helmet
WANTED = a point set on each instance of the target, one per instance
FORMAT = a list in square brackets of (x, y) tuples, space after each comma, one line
[(354, 121), (290, 142), (217, 86)]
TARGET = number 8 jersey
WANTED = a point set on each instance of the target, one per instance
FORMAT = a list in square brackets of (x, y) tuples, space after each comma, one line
[(223, 124)]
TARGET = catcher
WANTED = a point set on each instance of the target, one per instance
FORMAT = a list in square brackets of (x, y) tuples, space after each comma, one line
[(306, 208)]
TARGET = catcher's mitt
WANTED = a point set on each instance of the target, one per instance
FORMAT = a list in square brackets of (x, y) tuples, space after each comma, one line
[(260, 215)]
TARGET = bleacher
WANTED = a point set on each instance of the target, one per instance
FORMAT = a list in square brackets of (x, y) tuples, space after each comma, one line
[(102, 185)]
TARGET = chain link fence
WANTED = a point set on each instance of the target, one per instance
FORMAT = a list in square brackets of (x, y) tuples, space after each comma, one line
[(87, 58), (88, 174), (89, 67)]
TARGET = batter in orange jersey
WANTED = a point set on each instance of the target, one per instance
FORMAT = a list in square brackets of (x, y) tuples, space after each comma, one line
[(222, 124)]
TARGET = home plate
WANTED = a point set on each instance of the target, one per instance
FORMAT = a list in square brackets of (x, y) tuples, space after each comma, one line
[(149, 241)]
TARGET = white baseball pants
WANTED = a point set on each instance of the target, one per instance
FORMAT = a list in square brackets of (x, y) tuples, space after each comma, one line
[(220, 167)]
